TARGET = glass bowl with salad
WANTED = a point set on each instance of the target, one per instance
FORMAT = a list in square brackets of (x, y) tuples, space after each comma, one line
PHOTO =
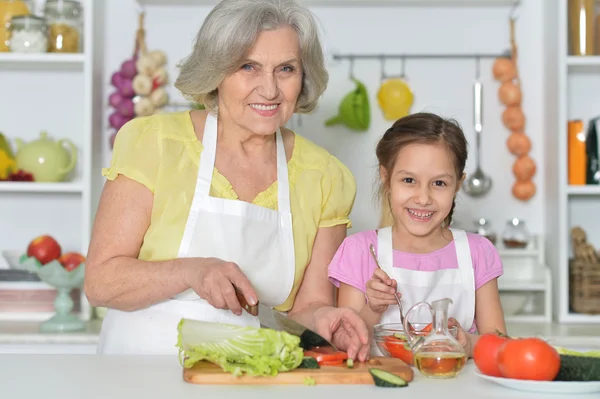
[(393, 342)]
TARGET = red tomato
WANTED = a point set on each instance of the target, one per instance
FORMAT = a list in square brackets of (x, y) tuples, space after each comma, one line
[(528, 359), (485, 353), (327, 356), (399, 349)]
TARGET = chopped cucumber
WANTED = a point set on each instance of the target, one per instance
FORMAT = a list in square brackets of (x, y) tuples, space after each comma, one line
[(400, 336), (309, 362), (350, 363), (386, 379), (309, 381)]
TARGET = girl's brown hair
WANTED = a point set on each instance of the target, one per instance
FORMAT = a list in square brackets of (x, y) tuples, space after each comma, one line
[(419, 128)]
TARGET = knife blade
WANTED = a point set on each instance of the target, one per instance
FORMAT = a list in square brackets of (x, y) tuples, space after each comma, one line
[(270, 318)]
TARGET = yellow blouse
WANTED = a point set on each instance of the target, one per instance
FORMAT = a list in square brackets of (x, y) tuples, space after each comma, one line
[(162, 152)]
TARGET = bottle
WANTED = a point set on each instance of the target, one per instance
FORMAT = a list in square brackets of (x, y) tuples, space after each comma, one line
[(576, 152), (591, 148), (581, 27), (8, 10), (65, 21), (438, 354)]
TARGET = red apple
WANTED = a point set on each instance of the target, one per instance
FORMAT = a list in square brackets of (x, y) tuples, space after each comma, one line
[(44, 248), (71, 260)]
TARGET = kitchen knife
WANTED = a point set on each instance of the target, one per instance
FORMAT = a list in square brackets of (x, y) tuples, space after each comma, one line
[(270, 318)]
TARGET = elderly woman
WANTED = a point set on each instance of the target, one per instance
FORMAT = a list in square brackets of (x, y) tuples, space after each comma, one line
[(200, 203)]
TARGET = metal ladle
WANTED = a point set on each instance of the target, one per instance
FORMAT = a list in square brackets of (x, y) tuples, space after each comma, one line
[(478, 184)]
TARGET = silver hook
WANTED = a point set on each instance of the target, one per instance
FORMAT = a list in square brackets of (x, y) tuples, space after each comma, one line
[(403, 67), (141, 8), (513, 10), (351, 58), (382, 63)]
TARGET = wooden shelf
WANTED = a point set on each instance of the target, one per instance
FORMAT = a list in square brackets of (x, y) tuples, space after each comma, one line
[(357, 3)]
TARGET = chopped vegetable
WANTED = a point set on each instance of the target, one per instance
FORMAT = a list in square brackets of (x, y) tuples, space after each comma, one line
[(309, 381), (385, 379), (327, 356), (350, 363), (309, 363), (236, 349)]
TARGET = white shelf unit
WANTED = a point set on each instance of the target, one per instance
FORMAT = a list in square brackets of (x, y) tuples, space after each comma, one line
[(527, 281), (51, 92), (577, 96)]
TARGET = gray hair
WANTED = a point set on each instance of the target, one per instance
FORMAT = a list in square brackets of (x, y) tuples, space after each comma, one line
[(227, 35)]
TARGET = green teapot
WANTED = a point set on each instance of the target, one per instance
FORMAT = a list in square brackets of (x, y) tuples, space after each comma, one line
[(47, 160), (354, 110)]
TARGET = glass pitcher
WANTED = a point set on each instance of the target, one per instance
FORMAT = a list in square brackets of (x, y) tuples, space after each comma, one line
[(438, 354)]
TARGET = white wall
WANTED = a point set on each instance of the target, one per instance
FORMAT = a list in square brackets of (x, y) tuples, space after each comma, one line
[(442, 86)]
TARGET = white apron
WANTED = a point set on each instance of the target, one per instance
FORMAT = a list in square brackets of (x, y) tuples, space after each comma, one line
[(417, 286), (257, 239)]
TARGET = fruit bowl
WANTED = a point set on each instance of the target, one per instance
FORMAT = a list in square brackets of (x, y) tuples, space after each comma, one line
[(393, 342), (55, 275), (12, 258)]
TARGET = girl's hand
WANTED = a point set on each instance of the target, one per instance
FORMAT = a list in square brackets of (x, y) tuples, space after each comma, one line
[(462, 336), (380, 291)]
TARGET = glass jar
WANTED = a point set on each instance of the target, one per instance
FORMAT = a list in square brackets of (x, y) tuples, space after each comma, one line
[(65, 26), (483, 228), (28, 34), (516, 234), (8, 10)]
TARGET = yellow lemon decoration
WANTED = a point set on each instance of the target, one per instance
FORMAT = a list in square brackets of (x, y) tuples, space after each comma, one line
[(395, 99), (7, 160), (7, 165)]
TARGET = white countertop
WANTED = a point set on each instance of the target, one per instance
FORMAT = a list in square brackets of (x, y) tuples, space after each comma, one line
[(116, 377)]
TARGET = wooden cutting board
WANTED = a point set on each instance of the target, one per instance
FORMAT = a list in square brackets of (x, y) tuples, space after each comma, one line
[(209, 373)]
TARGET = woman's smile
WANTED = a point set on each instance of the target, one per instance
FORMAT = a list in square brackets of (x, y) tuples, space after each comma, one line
[(265, 109)]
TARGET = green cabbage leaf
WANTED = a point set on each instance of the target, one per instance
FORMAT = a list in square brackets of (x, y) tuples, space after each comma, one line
[(238, 350)]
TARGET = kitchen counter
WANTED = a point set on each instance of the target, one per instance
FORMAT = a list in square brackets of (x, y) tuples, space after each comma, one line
[(116, 377)]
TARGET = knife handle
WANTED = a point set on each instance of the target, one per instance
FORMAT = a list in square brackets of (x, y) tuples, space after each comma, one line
[(253, 310)]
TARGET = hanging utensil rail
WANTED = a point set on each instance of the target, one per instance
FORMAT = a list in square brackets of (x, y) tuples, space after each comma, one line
[(417, 56)]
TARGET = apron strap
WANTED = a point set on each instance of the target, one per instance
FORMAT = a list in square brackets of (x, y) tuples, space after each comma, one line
[(207, 160), (385, 250), (465, 264), (283, 181)]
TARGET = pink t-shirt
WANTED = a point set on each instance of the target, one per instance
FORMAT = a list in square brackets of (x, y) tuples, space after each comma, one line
[(353, 263)]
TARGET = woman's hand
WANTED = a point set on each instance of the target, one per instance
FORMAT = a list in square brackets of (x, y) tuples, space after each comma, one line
[(463, 337), (345, 329), (214, 280), (380, 291)]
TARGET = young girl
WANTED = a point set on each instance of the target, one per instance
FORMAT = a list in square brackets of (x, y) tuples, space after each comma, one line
[(421, 165)]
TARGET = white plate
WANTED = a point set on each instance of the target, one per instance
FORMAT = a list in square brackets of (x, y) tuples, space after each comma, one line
[(544, 386)]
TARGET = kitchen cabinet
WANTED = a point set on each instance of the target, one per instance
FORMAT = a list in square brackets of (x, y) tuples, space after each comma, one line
[(572, 93), (53, 92)]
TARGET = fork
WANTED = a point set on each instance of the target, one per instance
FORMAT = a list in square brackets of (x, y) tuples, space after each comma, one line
[(395, 294)]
